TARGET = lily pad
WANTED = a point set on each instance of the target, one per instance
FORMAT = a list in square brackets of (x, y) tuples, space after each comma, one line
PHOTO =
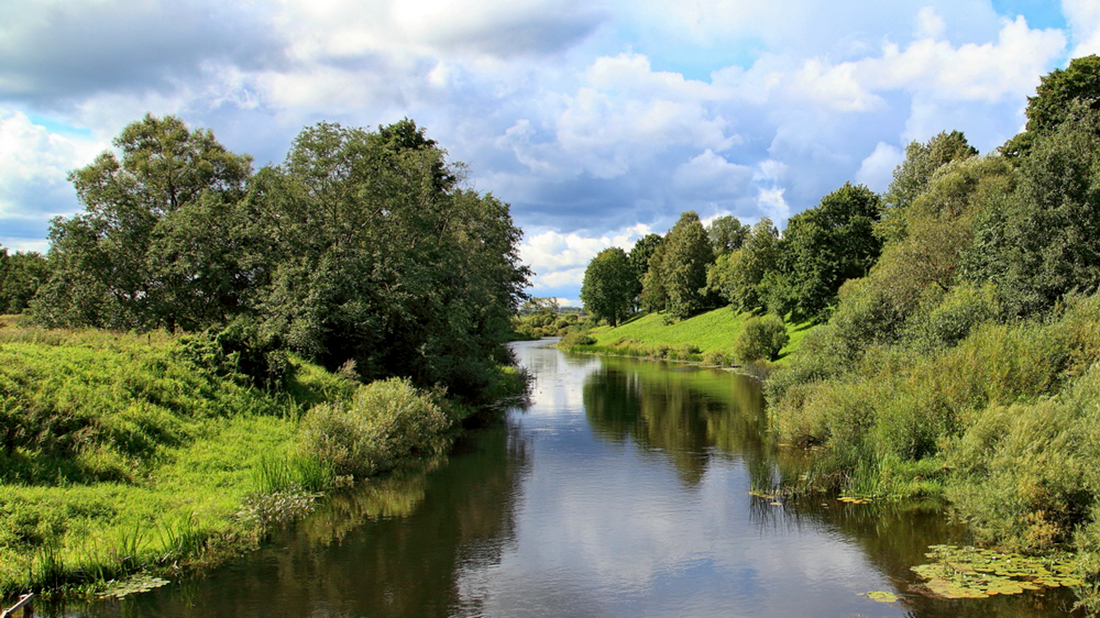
[(969, 572), (882, 596), (135, 584)]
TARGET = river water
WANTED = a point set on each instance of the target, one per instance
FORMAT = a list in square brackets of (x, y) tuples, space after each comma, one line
[(622, 488)]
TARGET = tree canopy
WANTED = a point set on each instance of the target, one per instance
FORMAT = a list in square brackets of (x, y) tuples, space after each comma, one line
[(610, 286), (361, 246)]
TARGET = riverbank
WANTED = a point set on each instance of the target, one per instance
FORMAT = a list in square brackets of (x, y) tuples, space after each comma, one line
[(707, 337), (119, 454)]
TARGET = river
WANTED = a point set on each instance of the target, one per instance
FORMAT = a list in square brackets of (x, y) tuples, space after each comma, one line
[(622, 488)]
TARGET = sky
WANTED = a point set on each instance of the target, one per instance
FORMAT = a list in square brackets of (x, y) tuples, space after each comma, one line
[(599, 121)]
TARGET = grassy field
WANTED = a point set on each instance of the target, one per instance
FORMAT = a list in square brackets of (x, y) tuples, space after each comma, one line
[(713, 331), (120, 455)]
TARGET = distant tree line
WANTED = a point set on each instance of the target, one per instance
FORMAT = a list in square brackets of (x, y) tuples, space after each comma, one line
[(750, 268), (362, 246)]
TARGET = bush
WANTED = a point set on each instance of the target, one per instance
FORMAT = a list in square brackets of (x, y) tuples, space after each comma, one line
[(576, 338), (761, 338), (384, 422), (239, 348), (717, 359)]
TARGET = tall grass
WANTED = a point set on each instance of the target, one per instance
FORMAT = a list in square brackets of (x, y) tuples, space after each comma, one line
[(118, 453)]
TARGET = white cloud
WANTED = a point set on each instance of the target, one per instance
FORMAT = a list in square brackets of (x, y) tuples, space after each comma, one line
[(929, 24), (560, 260), (33, 160), (877, 170), (1083, 17)]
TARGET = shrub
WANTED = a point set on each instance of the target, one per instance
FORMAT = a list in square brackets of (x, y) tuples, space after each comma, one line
[(575, 338), (717, 359), (761, 338), (384, 422)]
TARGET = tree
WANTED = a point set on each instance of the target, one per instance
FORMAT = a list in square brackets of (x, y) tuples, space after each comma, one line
[(687, 253), (609, 287), (727, 234), (1038, 242), (639, 260), (740, 276), (914, 174), (21, 274), (761, 338), (829, 244), (1062, 95), (141, 254), (378, 256)]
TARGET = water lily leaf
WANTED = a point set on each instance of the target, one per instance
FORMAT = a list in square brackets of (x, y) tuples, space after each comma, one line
[(882, 596)]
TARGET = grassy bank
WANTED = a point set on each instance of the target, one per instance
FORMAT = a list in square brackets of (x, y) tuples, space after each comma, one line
[(705, 336), (1004, 425), (119, 454)]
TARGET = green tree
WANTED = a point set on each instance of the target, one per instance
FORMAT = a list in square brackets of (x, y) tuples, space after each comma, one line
[(687, 253), (378, 256), (829, 244), (139, 256), (1038, 243), (1062, 95), (741, 276), (727, 234), (610, 286), (21, 274), (654, 295), (915, 173)]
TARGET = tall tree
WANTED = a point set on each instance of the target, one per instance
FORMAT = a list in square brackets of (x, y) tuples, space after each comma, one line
[(686, 257), (139, 254), (727, 234), (915, 173), (1063, 94), (609, 286), (21, 274), (829, 244), (742, 275), (379, 257)]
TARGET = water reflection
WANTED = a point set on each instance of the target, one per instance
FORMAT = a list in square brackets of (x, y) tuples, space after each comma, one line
[(690, 413), (620, 489)]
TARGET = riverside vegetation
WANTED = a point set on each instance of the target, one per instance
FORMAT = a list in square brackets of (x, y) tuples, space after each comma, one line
[(205, 349), (958, 328)]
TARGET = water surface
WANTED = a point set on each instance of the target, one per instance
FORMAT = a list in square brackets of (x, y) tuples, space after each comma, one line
[(621, 489)]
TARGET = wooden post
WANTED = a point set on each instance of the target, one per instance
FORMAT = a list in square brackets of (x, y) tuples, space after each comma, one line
[(23, 604)]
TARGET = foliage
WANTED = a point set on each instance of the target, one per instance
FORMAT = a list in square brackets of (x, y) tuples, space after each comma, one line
[(1062, 95), (384, 422), (1035, 244), (912, 177), (156, 245), (827, 245), (118, 456), (609, 286), (741, 276), (727, 234), (686, 253), (761, 338), (640, 255), (21, 274), (361, 247), (378, 257)]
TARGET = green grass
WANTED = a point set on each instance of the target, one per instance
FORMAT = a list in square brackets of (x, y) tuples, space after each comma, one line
[(713, 331), (118, 454)]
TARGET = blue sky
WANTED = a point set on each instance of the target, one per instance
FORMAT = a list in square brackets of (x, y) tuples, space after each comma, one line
[(598, 121)]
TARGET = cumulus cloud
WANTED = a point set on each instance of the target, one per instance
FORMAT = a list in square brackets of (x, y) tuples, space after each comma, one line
[(559, 260), (53, 51), (877, 170), (588, 117), (34, 165), (1083, 17)]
